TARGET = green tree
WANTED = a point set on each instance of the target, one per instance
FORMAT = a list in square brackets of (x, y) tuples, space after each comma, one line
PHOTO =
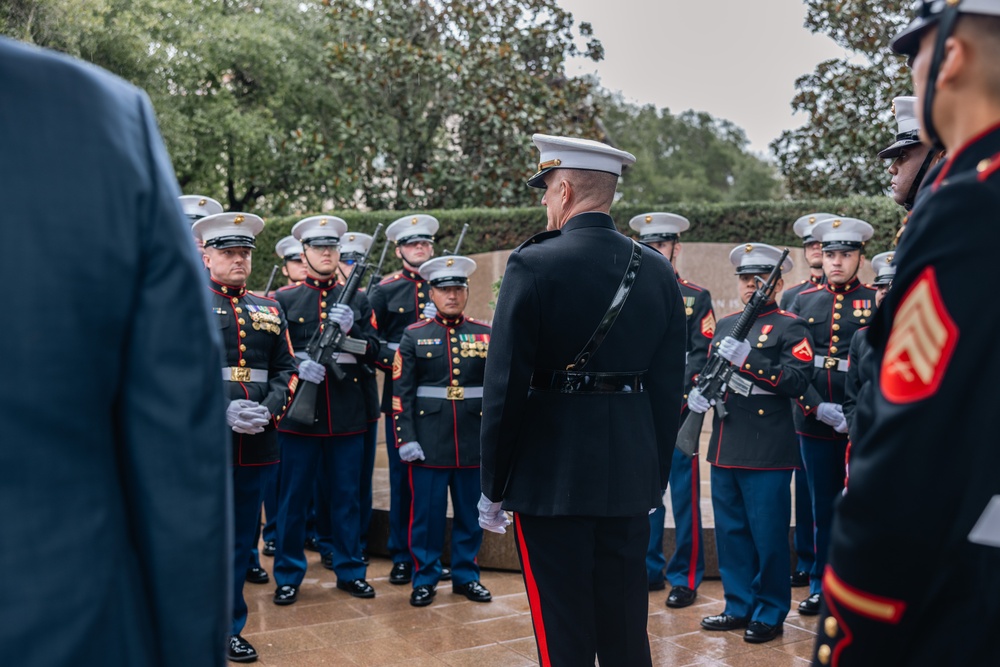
[(848, 102), (688, 157), (448, 92)]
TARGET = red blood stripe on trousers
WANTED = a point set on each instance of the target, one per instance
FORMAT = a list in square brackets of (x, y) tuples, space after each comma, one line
[(534, 601)]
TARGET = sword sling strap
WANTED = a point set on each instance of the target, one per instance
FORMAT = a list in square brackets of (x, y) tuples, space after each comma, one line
[(621, 294)]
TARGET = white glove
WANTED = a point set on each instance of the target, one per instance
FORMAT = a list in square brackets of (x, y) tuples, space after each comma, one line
[(841, 427), (831, 414), (491, 516), (311, 371), (411, 451), (698, 403), (247, 417), (430, 310), (342, 315), (734, 351)]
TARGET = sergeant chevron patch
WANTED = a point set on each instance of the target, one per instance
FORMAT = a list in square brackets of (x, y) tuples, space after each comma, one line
[(920, 345), (397, 366), (708, 325)]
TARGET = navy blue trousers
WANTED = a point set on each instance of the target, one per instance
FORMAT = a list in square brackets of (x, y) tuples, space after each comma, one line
[(825, 469), (752, 511), (248, 491), (805, 547), (687, 564), (367, 470), (399, 499), (429, 490), (337, 460)]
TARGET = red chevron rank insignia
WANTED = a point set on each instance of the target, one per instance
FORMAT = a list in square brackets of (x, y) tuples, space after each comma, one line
[(708, 325), (803, 350), (920, 345)]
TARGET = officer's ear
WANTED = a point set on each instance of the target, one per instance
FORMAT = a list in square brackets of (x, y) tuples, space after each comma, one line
[(399, 255)]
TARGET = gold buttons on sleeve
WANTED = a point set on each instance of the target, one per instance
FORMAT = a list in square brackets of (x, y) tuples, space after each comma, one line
[(747, 367), (823, 654), (830, 626)]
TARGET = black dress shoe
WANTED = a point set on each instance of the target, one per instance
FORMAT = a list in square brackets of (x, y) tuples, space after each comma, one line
[(327, 561), (240, 650), (422, 595), (311, 544), (657, 585), (401, 573), (758, 633), (723, 622), (681, 596), (800, 579), (268, 549), (365, 558), (286, 595), (473, 590), (810, 606), (445, 574), (257, 575), (358, 588)]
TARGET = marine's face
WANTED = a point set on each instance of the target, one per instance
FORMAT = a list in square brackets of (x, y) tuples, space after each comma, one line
[(880, 293), (230, 266), (451, 300), (840, 266), (666, 248), (904, 171), (415, 253), (814, 254), (748, 285), (294, 270), (321, 259)]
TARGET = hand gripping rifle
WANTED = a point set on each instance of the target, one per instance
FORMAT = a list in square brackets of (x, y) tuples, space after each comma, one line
[(326, 342), (719, 376)]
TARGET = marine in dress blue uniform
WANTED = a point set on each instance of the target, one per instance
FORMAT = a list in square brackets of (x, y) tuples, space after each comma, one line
[(353, 248), (859, 373), (753, 452), (803, 535), (686, 568), (578, 437), (259, 378), (113, 437), (914, 571), (833, 312), (398, 301), (438, 407), (333, 445)]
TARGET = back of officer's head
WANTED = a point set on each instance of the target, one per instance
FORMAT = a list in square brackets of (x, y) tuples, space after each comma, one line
[(596, 188)]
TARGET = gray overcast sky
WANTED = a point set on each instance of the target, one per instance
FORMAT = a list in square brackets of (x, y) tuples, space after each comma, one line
[(736, 59)]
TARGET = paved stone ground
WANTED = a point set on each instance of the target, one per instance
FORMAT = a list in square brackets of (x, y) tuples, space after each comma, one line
[(329, 627)]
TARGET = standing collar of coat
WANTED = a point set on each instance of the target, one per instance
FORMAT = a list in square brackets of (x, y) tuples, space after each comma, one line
[(589, 219)]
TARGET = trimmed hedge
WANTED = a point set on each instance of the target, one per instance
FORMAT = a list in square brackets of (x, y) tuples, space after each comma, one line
[(502, 229)]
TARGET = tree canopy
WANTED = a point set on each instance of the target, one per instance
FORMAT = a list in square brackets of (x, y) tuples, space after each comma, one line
[(289, 106), (848, 102)]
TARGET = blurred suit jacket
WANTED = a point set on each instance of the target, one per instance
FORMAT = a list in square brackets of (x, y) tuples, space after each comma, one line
[(115, 532)]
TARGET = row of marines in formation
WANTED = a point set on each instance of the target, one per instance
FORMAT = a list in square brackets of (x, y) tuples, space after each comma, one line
[(414, 328), (795, 419)]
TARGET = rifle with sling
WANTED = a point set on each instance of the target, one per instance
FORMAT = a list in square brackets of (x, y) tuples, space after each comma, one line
[(719, 375), (270, 280), (461, 237), (327, 341)]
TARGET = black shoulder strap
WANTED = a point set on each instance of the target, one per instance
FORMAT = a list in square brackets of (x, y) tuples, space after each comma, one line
[(613, 309)]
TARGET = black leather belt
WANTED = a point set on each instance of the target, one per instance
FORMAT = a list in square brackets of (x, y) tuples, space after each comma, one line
[(582, 382)]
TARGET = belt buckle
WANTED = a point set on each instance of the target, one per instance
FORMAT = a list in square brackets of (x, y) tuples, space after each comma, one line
[(239, 374), (455, 393), (831, 363)]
